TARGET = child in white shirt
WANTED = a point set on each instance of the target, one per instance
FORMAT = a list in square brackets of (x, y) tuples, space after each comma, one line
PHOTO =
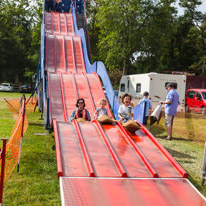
[(126, 112)]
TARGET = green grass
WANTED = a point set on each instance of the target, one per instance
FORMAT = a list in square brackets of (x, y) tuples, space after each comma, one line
[(37, 182), (11, 95)]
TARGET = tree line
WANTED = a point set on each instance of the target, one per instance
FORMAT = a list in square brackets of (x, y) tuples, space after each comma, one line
[(139, 36), (133, 36), (19, 39)]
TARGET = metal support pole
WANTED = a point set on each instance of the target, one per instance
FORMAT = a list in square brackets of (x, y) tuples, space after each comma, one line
[(144, 117), (22, 130), (204, 167), (2, 169)]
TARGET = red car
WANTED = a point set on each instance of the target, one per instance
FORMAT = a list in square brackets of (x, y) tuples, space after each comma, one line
[(195, 100)]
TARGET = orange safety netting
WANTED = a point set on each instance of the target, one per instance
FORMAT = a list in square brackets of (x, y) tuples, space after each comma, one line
[(13, 147), (14, 105)]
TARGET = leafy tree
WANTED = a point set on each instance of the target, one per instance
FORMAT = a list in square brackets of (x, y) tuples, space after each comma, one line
[(17, 21), (135, 33), (139, 36), (120, 23), (92, 9), (156, 37)]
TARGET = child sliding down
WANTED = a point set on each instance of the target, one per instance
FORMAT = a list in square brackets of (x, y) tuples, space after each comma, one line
[(126, 111), (101, 113), (126, 114)]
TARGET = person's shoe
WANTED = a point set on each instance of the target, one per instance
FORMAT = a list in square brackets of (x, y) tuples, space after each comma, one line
[(169, 138)]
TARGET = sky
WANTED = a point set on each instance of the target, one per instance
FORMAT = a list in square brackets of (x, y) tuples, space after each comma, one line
[(201, 8)]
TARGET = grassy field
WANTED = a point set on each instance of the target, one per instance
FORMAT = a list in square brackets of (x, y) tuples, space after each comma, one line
[(37, 182)]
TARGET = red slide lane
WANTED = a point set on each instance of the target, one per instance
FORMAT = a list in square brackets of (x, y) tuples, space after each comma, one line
[(97, 91), (69, 55), (78, 53), (111, 150), (50, 53), (55, 96), (138, 151), (87, 157), (59, 23), (64, 54)]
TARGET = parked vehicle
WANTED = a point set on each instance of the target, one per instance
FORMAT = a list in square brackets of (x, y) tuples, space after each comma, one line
[(6, 87), (195, 100), (154, 83), (25, 88)]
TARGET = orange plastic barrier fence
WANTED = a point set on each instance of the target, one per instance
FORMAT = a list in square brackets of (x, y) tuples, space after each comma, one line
[(14, 105), (13, 147)]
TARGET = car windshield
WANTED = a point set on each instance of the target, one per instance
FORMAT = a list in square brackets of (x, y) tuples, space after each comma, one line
[(204, 95), (5, 85)]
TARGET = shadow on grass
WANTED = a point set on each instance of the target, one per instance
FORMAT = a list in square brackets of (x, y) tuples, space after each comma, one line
[(174, 138), (178, 154), (36, 124)]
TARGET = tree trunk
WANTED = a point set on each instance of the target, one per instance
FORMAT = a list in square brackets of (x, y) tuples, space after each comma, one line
[(203, 67), (16, 78), (124, 67)]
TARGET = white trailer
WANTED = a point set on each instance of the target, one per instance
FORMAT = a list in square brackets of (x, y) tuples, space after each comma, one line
[(154, 83)]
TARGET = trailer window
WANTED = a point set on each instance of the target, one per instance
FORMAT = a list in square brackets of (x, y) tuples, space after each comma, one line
[(174, 84), (191, 94), (122, 87), (138, 88)]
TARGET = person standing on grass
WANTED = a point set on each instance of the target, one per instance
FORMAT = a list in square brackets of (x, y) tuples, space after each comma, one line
[(148, 103), (171, 103)]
